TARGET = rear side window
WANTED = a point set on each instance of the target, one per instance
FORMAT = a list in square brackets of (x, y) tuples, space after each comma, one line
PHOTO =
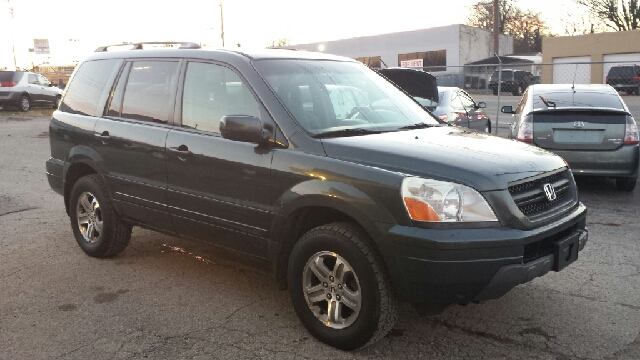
[(212, 91), (149, 90), (86, 87)]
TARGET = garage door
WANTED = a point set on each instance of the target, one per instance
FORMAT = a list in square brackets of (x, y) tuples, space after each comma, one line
[(568, 69), (618, 59)]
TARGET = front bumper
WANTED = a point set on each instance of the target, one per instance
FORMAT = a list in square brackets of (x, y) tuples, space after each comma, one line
[(462, 265)]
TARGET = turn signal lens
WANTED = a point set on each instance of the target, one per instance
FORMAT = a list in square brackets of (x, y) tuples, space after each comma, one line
[(419, 210)]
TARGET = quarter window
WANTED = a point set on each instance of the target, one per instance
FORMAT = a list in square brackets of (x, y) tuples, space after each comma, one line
[(147, 96), (86, 87), (212, 91), (33, 79)]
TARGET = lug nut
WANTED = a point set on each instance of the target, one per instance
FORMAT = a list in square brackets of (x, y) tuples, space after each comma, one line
[(331, 278), (329, 296), (325, 284), (338, 297), (339, 286)]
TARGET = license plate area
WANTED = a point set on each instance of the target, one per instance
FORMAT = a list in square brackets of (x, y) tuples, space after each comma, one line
[(565, 251)]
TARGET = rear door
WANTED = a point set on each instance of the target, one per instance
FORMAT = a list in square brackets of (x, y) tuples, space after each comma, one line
[(36, 92), (218, 189), (131, 139), (579, 121)]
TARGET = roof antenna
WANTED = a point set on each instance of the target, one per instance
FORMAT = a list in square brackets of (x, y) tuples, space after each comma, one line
[(575, 73)]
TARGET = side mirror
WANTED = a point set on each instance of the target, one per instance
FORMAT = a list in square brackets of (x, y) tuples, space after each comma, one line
[(482, 105), (507, 110), (51, 84), (243, 128)]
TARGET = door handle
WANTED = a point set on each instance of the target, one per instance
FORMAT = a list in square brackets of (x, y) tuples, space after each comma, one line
[(104, 137), (181, 151)]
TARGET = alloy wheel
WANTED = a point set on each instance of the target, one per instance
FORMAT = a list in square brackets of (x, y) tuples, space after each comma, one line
[(89, 216), (332, 290)]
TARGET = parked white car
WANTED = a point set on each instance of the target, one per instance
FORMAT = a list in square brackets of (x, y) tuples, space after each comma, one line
[(457, 107)]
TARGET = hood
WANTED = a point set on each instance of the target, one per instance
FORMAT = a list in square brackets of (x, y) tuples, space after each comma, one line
[(476, 159), (416, 83)]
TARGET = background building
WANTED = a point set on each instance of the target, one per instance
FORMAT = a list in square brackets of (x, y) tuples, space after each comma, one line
[(442, 50), (588, 58)]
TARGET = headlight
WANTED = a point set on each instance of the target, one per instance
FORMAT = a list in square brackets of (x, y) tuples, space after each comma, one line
[(441, 201)]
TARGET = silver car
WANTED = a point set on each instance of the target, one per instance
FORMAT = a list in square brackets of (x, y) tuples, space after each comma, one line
[(458, 108), (25, 89), (590, 126)]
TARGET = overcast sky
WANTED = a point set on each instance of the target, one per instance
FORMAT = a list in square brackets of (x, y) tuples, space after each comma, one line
[(251, 23)]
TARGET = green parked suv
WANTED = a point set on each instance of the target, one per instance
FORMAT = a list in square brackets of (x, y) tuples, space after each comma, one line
[(355, 193)]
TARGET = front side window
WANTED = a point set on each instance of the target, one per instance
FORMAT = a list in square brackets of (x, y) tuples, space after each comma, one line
[(33, 79), (331, 96), (212, 91), (42, 81), (147, 95)]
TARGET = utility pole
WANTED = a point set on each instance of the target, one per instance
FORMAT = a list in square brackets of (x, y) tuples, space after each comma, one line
[(13, 43), (496, 27), (221, 24)]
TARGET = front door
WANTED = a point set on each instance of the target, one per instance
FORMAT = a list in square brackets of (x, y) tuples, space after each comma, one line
[(218, 189)]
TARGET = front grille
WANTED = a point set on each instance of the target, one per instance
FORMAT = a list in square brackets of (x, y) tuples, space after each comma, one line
[(532, 201)]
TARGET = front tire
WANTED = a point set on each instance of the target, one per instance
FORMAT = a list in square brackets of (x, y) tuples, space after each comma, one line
[(339, 288), (97, 228)]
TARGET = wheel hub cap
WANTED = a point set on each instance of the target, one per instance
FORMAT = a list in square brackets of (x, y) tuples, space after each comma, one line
[(332, 290)]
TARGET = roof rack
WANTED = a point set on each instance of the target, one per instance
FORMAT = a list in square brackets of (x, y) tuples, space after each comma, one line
[(139, 45)]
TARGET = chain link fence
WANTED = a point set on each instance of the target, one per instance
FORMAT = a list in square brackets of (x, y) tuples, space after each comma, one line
[(483, 79)]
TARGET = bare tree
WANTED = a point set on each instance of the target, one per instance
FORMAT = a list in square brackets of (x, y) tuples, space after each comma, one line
[(619, 15), (526, 26), (280, 42)]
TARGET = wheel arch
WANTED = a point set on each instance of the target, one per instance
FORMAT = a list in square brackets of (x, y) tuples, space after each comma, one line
[(321, 207), (76, 170)]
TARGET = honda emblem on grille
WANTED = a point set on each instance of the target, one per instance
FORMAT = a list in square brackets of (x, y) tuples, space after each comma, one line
[(578, 124), (550, 192)]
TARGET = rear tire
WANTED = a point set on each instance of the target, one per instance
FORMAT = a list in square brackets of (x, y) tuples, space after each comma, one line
[(25, 103), (626, 183), (488, 127), (339, 288), (96, 226)]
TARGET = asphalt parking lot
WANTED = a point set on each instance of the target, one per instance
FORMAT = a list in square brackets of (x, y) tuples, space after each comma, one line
[(167, 298)]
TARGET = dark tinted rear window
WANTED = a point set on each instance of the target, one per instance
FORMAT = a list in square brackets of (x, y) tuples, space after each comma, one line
[(87, 86), (506, 75), (622, 71), (7, 76), (581, 100)]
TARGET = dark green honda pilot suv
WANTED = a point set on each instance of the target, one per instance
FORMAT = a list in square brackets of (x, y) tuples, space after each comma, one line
[(352, 190)]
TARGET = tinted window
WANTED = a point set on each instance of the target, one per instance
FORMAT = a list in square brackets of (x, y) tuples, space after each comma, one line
[(621, 71), (570, 99), (87, 86), (115, 107), (506, 75), (147, 96), (8, 76), (211, 92)]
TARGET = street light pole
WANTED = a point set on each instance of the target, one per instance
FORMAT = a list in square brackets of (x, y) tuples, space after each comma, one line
[(13, 43), (221, 24)]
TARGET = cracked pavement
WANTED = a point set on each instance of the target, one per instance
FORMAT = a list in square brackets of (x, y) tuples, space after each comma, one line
[(167, 298)]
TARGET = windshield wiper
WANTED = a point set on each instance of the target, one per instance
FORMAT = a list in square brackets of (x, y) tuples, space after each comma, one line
[(346, 132), (419, 126), (548, 102)]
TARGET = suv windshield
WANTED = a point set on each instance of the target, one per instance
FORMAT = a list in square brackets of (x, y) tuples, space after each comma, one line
[(331, 96)]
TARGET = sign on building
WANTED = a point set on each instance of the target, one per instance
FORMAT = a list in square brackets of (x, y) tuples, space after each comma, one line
[(411, 63), (41, 46)]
